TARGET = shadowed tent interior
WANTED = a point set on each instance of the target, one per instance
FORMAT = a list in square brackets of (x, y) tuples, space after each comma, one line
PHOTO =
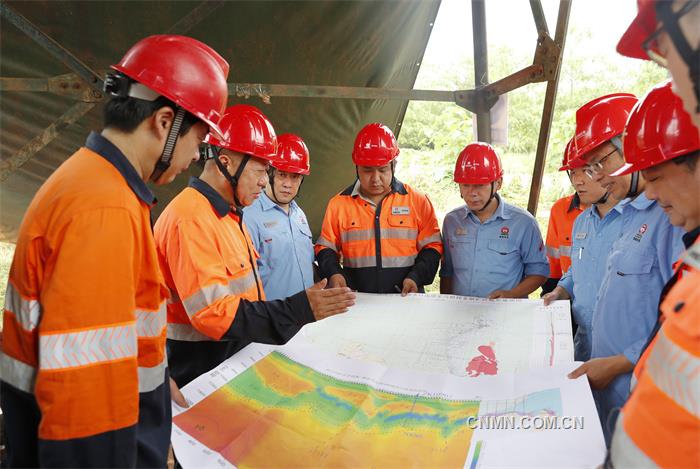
[(377, 44)]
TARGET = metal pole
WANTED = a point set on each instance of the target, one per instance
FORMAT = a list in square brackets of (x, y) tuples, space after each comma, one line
[(53, 47), (550, 98), (538, 15), (481, 68)]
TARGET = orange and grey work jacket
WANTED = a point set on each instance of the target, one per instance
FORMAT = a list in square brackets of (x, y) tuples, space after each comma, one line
[(561, 221), (84, 378), (380, 245), (217, 301)]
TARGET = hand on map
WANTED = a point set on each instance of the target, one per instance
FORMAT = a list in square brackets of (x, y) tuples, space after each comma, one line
[(330, 301), (409, 286), (337, 281), (177, 396), (601, 371), (558, 293), (501, 294)]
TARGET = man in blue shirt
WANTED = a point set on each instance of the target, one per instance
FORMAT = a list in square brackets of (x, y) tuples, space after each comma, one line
[(492, 249), (600, 123), (278, 226), (639, 264)]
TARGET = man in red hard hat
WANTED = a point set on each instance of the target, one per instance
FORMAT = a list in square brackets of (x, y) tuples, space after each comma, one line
[(385, 232), (84, 374), (278, 226), (659, 424), (492, 249), (218, 303)]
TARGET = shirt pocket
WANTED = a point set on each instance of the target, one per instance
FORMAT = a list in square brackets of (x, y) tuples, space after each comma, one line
[(634, 262), (461, 249), (503, 256)]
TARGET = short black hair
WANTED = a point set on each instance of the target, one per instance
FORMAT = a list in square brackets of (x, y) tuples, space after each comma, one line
[(690, 160), (126, 114)]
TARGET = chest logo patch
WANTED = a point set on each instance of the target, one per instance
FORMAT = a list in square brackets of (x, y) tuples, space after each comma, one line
[(640, 232), (270, 224), (398, 210), (505, 232), (459, 231), (581, 235)]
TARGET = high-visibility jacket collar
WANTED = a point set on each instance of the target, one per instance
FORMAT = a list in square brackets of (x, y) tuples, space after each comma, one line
[(354, 189), (107, 150), (219, 203), (690, 237), (575, 203)]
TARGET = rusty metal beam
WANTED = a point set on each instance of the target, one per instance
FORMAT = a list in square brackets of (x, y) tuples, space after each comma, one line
[(194, 17), (538, 15), (550, 98), (54, 48), (481, 69), (25, 153)]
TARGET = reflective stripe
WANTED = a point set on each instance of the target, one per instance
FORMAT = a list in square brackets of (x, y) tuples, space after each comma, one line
[(565, 251), (552, 252), (371, 261), (151, 323), (27, 312), (326, 244), (73, 349), (151, 378), (360, 262), (356, 235), (186, 333), (675, 372), (211, 294), (398, 233), (17, 373), (623, 451), (399, 261), (430, 239)]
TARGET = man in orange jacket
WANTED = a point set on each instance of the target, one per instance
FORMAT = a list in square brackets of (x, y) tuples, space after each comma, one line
[(385, 232), (84, 375), (660, 424), (209, 261)]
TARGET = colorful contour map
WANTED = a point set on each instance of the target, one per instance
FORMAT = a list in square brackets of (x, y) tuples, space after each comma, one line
[(280, 413)]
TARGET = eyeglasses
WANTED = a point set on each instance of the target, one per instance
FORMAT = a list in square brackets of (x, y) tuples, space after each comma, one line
[(651, 45), (597, 167)]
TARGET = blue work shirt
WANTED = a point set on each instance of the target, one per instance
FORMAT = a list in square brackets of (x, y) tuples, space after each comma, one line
[(494, 255), (285, 245), (592, 238), (640, 263)]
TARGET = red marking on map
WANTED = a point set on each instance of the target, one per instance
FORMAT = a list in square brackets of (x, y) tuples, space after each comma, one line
[(484, 364)]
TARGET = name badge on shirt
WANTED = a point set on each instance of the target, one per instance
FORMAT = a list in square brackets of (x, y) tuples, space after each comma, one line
[(400, 210), (270, 224), (581, 235), (459, 231)]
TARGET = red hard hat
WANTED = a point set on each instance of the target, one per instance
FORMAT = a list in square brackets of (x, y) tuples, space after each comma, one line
[(658, 130), (184, 70), (245, 129), (292, 155), (642, 26), (600, 120), (375, 145), (567, 163), (478, 163)]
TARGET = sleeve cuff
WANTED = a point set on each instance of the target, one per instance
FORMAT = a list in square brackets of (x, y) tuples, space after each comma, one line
[(299, 303)]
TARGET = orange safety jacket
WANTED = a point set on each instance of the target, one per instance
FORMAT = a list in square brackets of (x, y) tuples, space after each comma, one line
[(660, 423), (217, 300), (558, 244), (84, 322), (380, 246)]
